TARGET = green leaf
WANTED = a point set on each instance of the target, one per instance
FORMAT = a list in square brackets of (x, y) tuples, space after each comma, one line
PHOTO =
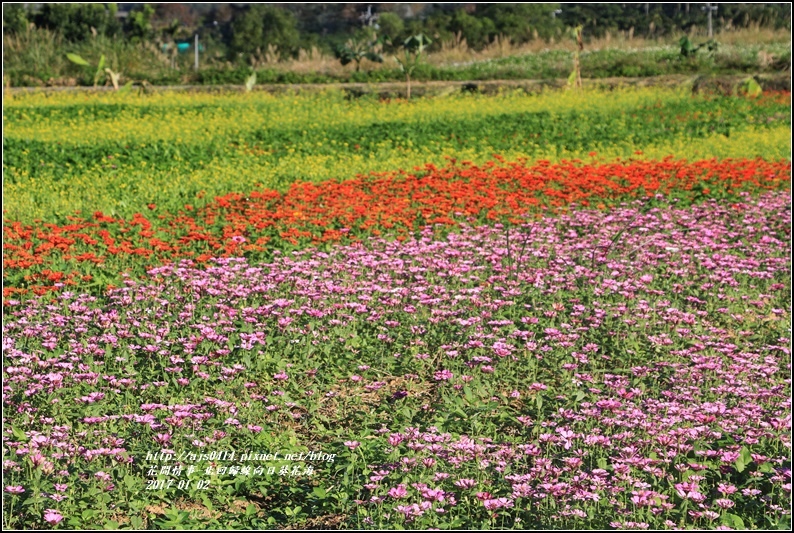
[(468, 394), (572, 79), (732, 520), (19, 434), (130, 482), (751, 87), (74, 58), (743, 460), (602, 463)]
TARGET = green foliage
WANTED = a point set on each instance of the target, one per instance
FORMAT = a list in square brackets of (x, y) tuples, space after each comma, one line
[(413, 48), (520, 22), (750, 87), (112, 76), (689, 50), (140, 23), (392, 25), (79, 22), (15, 18), (262, 26), (477, 31), (77, 60), (668, 18), (355, 50)]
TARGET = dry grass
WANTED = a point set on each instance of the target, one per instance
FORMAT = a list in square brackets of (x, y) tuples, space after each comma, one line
[(457, 51)]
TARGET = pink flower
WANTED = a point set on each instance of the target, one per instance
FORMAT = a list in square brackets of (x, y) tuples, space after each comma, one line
[(497, 503), (281, 376), (465, 483), (724, 503), (51, 516), (726, 489), (15, 489), (352, 444), (398, 492), (443, 375)]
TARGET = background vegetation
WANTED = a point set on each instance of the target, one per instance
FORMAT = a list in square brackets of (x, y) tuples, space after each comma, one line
[(301, 42)]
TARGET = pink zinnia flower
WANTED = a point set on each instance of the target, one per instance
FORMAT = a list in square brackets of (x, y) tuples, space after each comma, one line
[(51, 516), (398, 492), (465, 483), (724, 503), (281, 376), (726, 489), (352, 444), (15, 489), (443, 375)]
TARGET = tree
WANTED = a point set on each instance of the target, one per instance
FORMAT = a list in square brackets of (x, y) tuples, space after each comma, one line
[(140, 23), (413, 50), (78, 22), (391, 24), (356, 50), (476, 30), (520, 22), (15, 18), (263, 25)]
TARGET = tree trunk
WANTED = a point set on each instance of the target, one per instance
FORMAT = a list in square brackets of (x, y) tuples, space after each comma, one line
[(408, 79)]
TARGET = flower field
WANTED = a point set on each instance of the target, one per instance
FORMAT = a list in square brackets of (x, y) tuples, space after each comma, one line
[(545, 311)]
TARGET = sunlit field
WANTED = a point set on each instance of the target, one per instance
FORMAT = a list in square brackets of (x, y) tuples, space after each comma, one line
[(550, 311)]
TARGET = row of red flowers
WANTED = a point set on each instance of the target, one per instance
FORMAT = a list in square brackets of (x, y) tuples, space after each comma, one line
[(40, 257)]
